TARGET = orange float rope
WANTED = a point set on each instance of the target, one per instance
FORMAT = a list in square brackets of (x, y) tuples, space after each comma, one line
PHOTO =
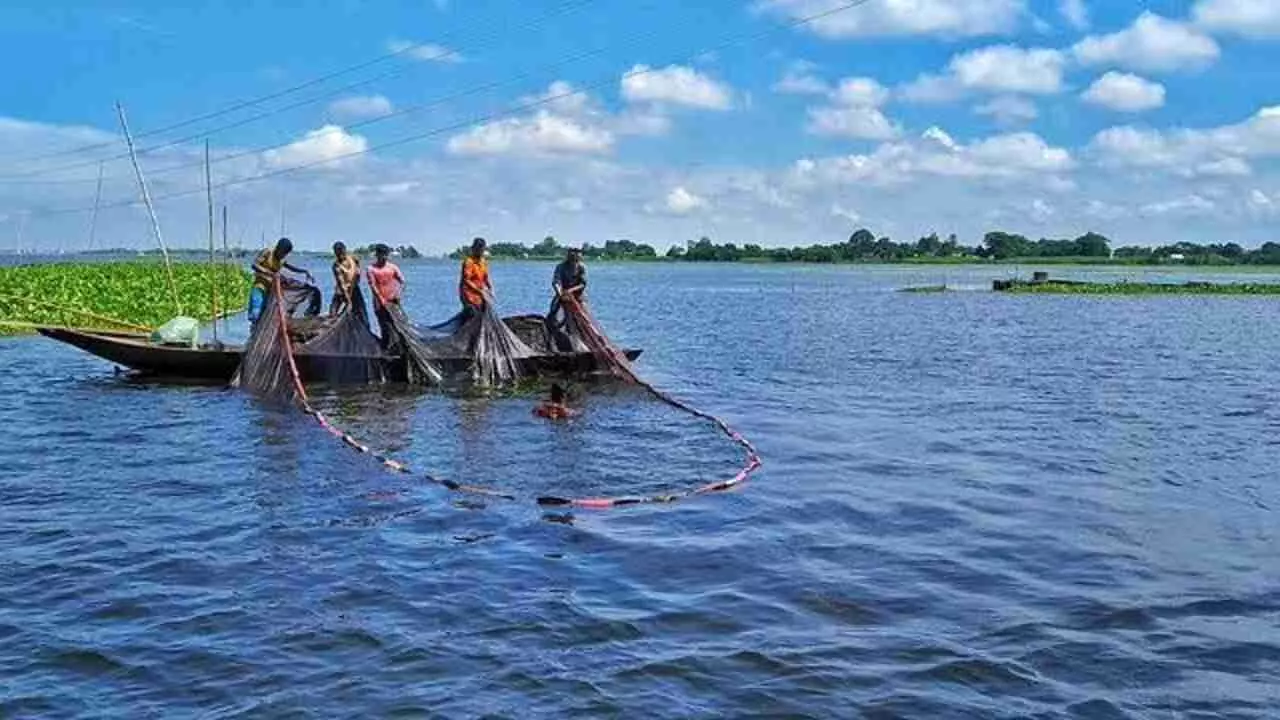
[(617, 362), (608, 354), (350, 441)]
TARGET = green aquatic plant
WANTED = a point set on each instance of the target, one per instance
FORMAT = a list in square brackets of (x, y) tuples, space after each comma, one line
[(1142, 288), (115, 295)]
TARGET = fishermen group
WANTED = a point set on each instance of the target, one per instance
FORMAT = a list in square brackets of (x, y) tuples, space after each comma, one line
[(386, 282)]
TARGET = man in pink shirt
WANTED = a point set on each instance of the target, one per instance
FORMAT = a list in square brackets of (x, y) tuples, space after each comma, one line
[(387, 283)]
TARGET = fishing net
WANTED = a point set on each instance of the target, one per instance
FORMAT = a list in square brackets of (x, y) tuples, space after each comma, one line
[(496, 352), (342, 349), (495, 349), (299, 295), (421, 367), (267, 367), (580, 328)]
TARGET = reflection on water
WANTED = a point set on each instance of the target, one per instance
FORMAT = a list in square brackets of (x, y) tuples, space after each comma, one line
[(972, 505)]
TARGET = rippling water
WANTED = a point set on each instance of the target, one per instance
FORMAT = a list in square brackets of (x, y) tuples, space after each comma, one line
[(973, 505)]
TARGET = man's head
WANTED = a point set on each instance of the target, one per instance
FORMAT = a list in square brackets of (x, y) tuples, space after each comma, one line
[(557, 394), (284, 246), (477, 247), (573, 255), (381, 252), (339, 249)]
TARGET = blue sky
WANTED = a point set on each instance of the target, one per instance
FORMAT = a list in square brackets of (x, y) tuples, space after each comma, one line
[(600, 119)]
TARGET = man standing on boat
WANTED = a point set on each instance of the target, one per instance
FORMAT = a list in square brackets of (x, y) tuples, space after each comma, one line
[(387, 284), (346, 281), (266, 267), (568, 281), (474, 287)]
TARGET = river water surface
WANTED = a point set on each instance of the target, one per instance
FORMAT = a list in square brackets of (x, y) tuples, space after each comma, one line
[(973, 505)]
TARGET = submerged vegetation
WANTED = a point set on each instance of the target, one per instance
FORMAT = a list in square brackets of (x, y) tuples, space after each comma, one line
[(118, 295)]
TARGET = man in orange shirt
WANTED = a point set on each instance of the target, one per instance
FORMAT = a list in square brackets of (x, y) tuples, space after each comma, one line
[(387, 283), (474, 288)]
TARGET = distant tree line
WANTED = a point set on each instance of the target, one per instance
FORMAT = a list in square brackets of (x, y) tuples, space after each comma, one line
[(550, 249), (407, 252), (864, 246)]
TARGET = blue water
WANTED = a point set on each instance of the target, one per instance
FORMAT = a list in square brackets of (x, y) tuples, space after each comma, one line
[(972, 506)]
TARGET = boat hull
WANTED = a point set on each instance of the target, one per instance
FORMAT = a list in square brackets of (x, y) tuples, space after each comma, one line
[(135, 352)]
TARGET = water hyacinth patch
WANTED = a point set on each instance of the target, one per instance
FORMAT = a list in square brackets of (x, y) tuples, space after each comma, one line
[(135, 293), (1142, 288)]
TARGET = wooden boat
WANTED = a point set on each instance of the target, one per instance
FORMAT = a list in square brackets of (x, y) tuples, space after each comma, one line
[(136, 352)]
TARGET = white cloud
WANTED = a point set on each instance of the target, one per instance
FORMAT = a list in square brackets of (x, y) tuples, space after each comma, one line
[(360, 106), (544, 133), (860, 91), (1226, 167), (995, 69), (1009, 110), (1219, 152), (1040, 210), (1005, 68), (854, 112), (644, 121), (570, 204), (1191, 205), (1075, 12), (676, 85), (930, 88), (936, 153), (1125, 93), (1250, 18), (946, 18), (844, 213), (567, 121), (1152, 44), (425, 52), (800, 78), (858, 122), (562, 98), (682, 202), (326, 147)]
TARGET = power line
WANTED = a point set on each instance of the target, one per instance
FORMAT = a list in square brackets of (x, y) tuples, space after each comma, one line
[(442, 54), (481, 119), (436, 102)]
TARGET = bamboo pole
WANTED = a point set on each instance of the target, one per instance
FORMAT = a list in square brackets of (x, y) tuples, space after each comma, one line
[(64, 308), (213, 266), (226, 250), (151, 211), (97, 201), (22, 231)]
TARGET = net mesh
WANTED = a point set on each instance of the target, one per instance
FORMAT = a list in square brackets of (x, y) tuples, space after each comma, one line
[(267, 368), (343, 348), (297, 296), (421, 367), (495, 350)]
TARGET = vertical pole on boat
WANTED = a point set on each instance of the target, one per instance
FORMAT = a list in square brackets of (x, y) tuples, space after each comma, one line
[(151, 211), (213, 266), (227, 266), (22, 230), (97, 200)]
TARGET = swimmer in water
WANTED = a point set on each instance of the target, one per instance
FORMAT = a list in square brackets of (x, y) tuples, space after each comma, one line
[(555, 408)]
